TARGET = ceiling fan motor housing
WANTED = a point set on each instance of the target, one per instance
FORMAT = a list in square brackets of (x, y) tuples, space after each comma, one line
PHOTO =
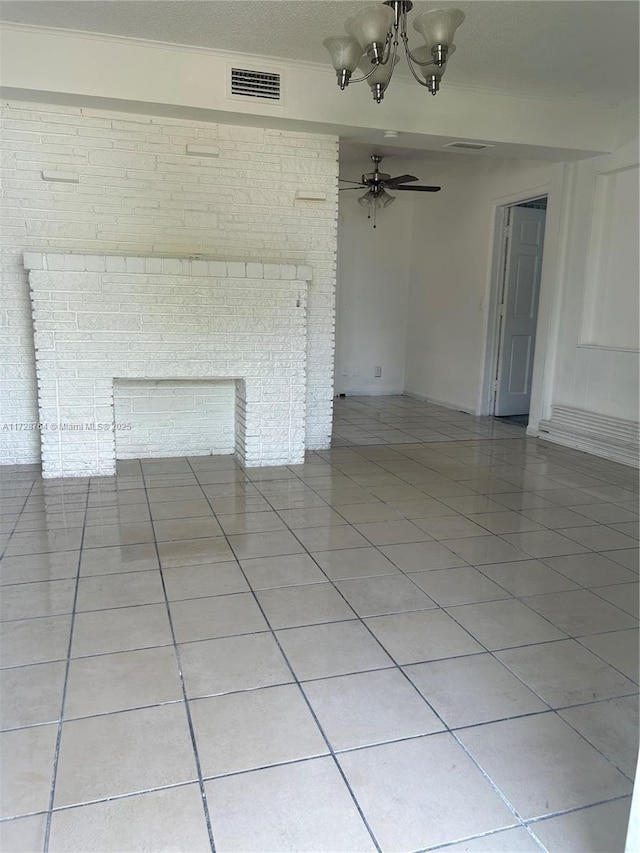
[(375, 177)]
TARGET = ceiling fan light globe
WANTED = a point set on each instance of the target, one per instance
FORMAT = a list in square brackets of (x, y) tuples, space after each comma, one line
[(384, 199), (345, 52), (438, 26), (367, 200), (370, 27)]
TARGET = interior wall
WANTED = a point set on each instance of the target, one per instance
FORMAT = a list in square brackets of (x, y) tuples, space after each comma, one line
[(372, 287), (167, 78), (451, 256), (86, 180), (596, 364)]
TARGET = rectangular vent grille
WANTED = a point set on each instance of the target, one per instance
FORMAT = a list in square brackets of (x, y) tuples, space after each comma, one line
[(469, 146), (255, 84)]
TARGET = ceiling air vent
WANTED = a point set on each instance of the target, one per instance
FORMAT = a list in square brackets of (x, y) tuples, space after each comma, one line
[(255, 84), (469, 146)]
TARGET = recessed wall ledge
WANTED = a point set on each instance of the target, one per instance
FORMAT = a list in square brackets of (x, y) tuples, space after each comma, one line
[(311, 195), (196, 150), (60, 176)]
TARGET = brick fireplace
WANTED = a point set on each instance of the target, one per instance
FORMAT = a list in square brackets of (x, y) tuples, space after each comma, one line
[(105, 319)]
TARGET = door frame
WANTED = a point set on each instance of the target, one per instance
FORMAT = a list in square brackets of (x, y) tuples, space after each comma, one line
[(490, 366)]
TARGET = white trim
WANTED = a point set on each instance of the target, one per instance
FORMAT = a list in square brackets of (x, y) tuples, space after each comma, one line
[(607, 348), (602, 209), (232, 56), (8, 27), (485, 402), (552, 286), (489, 357), (445, 405), (603, 435)]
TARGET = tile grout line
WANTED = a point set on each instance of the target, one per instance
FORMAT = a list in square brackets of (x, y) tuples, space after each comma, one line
[(54, 777), (305, 699), (16, 522), (194, 745), (453, 457), (239, 691), (423, 698)]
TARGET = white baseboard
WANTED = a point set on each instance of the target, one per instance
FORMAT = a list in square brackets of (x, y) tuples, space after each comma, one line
[(445, 404), (368, 392), (603, 435)]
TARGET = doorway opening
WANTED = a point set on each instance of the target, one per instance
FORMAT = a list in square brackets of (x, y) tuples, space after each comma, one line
[(519, 245)]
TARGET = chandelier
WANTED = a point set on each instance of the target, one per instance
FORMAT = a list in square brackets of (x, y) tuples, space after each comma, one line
[(374, 35)]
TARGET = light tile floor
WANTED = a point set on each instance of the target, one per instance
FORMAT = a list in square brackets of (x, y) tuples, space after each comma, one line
[(424, 637)]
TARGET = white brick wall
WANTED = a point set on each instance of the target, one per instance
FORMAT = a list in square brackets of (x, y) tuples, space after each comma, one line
[(158, 320), (174, 418), (139, 192)]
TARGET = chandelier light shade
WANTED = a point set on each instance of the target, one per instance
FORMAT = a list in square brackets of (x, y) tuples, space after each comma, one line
[(379, 79), (370, 28), (438, 26), (374, 36), (431, 73), (345, 55)]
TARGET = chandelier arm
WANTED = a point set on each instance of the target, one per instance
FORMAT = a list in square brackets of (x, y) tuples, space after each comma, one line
[(366, 76), (384, 88), (387, 50), (411, 58), (415, 76)]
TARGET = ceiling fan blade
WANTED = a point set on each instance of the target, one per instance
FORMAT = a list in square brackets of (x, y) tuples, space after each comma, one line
[(359, 187), (401, 179), (419, 189), (345, 181)]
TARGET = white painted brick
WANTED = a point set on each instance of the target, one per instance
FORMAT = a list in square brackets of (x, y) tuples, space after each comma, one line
[(56, 262), (95, 263), (171, 266), (196, 341), (272, 271), (311, 195), (197, 150), (135, 265), (200, 268), (304, 273), (33, 260), (59, 175), (122, 159), (236, 270), (133, 199), (255, 270), (153, 265)]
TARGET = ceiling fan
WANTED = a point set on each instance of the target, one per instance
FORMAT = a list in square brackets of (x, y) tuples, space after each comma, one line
[(377, 183)]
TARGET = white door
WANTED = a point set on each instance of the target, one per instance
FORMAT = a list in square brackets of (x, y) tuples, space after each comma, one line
[(519, 310)]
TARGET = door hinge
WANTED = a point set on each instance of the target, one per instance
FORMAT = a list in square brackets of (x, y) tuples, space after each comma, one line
[(506, 232)]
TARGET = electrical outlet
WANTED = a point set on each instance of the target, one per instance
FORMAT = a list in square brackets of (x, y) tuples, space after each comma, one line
[(377, 372)]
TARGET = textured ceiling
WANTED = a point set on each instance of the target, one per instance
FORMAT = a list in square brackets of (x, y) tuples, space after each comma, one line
[(561, 48)]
